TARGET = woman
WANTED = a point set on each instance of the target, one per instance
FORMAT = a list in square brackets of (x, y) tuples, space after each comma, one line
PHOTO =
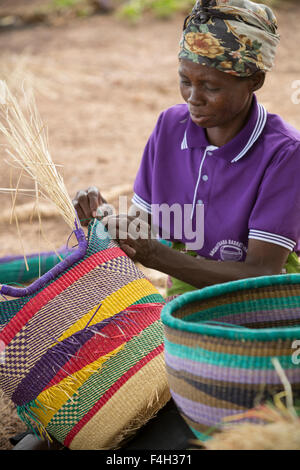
[(221, 155)]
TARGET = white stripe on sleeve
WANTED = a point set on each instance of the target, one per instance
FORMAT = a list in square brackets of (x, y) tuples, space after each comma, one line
[(272, 238), (139, 202)]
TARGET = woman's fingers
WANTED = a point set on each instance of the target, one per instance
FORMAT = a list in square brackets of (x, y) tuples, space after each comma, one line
[(86, 203), (105, 210), (124, 227), (133, 237), (80, 214), (81, 207), (94, 200), (117, 225), (131, 252)]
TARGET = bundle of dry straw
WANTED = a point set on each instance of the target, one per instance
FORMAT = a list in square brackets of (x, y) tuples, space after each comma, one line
[(28, 148), (281, 431)]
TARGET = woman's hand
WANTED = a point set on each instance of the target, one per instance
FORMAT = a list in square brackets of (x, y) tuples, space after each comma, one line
[(133, 235), (86, 203)]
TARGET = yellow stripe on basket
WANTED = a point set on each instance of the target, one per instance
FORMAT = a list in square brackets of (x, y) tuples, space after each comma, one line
[(113, 304), (137, 401), (56, 396)]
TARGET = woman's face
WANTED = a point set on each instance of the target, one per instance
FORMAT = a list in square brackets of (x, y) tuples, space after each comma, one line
[(214, 98)]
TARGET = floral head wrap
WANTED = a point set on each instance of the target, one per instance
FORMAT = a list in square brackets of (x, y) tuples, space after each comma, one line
[(234, 36)]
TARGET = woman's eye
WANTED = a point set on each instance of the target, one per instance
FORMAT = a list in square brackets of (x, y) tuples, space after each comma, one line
[(212, 89), (185, 83)]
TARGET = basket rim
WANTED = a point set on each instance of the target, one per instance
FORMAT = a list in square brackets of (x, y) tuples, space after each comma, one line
[(261, 334)]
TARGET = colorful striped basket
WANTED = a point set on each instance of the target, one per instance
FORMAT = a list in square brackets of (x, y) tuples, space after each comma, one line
[(83, 355), (220, 343)]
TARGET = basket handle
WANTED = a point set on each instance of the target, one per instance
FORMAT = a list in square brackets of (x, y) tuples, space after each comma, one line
[(54, 272)]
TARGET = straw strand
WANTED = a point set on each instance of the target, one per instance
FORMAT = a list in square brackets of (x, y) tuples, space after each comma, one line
[(27, 138)]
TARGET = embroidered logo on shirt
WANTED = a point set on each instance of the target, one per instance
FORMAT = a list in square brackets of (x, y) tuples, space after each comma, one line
[(230, 250)]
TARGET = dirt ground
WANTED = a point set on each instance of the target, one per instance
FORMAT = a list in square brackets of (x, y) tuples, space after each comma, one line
[(101, 86)]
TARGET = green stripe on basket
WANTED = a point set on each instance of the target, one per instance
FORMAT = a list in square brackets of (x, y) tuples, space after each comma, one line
[(227, 360), (250, 283), (236, 308), (234, 333), (200, 435), (10, 308), (148, 299), (16, 271), (98, 383)]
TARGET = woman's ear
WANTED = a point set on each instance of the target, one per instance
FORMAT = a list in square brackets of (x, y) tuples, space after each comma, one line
[(257, 80)]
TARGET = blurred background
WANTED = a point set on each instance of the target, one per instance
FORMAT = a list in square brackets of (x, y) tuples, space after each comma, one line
[(102, 71)]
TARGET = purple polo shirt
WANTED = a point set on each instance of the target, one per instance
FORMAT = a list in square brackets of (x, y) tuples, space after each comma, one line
[(249, 188)]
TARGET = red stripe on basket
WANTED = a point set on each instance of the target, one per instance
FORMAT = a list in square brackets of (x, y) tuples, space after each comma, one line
[(115, 387), (58, 286), (109, 338)]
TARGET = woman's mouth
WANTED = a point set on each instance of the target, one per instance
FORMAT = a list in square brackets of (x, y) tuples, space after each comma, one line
[(199, 118)]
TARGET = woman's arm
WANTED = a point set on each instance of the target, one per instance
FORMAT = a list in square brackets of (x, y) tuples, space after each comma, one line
[(262, 259)]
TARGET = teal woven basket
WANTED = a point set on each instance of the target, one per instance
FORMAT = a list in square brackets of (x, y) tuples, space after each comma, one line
[(219, 345)]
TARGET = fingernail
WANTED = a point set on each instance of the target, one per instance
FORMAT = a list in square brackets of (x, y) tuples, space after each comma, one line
[(94, 213)]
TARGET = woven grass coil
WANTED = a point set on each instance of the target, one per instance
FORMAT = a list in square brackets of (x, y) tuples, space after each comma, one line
[(220, 346), (83, 358)]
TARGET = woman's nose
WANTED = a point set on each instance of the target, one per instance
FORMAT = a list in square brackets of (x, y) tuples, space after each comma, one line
[(197, 97)]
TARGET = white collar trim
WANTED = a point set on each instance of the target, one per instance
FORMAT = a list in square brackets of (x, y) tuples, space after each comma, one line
[(259, 127)]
